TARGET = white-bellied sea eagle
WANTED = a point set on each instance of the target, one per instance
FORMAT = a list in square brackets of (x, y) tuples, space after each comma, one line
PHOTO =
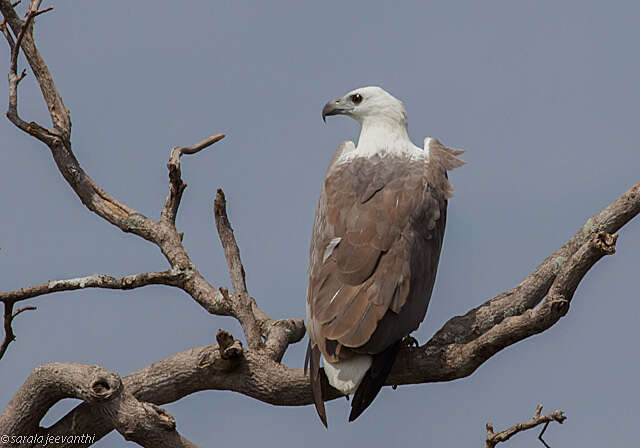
[(375, 247)]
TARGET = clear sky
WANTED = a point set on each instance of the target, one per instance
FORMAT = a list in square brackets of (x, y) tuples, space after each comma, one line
[(542, 95)]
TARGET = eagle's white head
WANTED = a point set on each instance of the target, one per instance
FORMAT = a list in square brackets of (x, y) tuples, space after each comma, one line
[(383, 120), (368, 105)]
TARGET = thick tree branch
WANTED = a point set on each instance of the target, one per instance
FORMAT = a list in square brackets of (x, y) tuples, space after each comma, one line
[(449, 355), (102, 391), (494, 438), (534, 287), (457, 360)]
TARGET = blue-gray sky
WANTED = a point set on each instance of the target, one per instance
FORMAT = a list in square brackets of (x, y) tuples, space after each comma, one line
[(542, 95)]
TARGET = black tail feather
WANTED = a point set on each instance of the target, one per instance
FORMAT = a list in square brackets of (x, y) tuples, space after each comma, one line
[(373, 380), (319, 381)]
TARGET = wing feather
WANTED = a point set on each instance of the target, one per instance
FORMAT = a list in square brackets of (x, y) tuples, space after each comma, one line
[(388, 214)]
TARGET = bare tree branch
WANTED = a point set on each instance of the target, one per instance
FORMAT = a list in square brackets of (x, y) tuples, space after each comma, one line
[(58, 112), (257, 375), (494, 438), (161, 233), (228, 240), (172, 277), (23, 309), (144, 423), (14, 78), (544, 428), (9, 315), (455, 351), (31, 14), (277, 334), (243, 305), (176, 185)]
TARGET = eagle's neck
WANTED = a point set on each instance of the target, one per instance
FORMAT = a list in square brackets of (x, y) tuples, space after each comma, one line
[(383, 132), (384, 137)]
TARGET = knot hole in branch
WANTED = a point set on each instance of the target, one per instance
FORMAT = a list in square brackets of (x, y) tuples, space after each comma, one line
[(105, 386), (606, 242)]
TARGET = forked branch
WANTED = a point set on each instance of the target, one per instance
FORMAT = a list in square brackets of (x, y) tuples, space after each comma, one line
[(494, 438), (244, 311), (9, 315), (176, 185)]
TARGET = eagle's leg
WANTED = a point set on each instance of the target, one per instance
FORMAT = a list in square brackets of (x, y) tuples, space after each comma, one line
[(407, 341)]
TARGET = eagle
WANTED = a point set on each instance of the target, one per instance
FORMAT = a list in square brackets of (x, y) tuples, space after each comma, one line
[(375, 247)]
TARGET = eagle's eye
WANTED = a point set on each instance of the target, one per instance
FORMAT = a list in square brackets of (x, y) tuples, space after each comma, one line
[(356, 98)]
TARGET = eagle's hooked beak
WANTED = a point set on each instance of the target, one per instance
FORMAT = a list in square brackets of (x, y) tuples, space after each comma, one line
[(335, 107)]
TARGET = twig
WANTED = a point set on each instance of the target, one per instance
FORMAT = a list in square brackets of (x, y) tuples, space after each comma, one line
[(544, 428), (7, 34), (180, 150), (176, 185), (494, 438), (14, 78), (58, 112), (23, 309), (31, 14), (9, 315)]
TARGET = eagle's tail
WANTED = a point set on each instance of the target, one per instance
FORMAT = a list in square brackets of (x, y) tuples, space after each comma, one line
[(373, 380), (318, 380)]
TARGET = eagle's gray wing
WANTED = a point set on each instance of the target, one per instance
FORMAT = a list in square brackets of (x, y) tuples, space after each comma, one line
[(374, 255), (375, 249)]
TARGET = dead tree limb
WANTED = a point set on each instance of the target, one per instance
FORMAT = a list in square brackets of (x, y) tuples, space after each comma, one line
[(144, 423), (176, 185), (455, 351), (494, 438), (172, 277), (9, 315), (237, 274)]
